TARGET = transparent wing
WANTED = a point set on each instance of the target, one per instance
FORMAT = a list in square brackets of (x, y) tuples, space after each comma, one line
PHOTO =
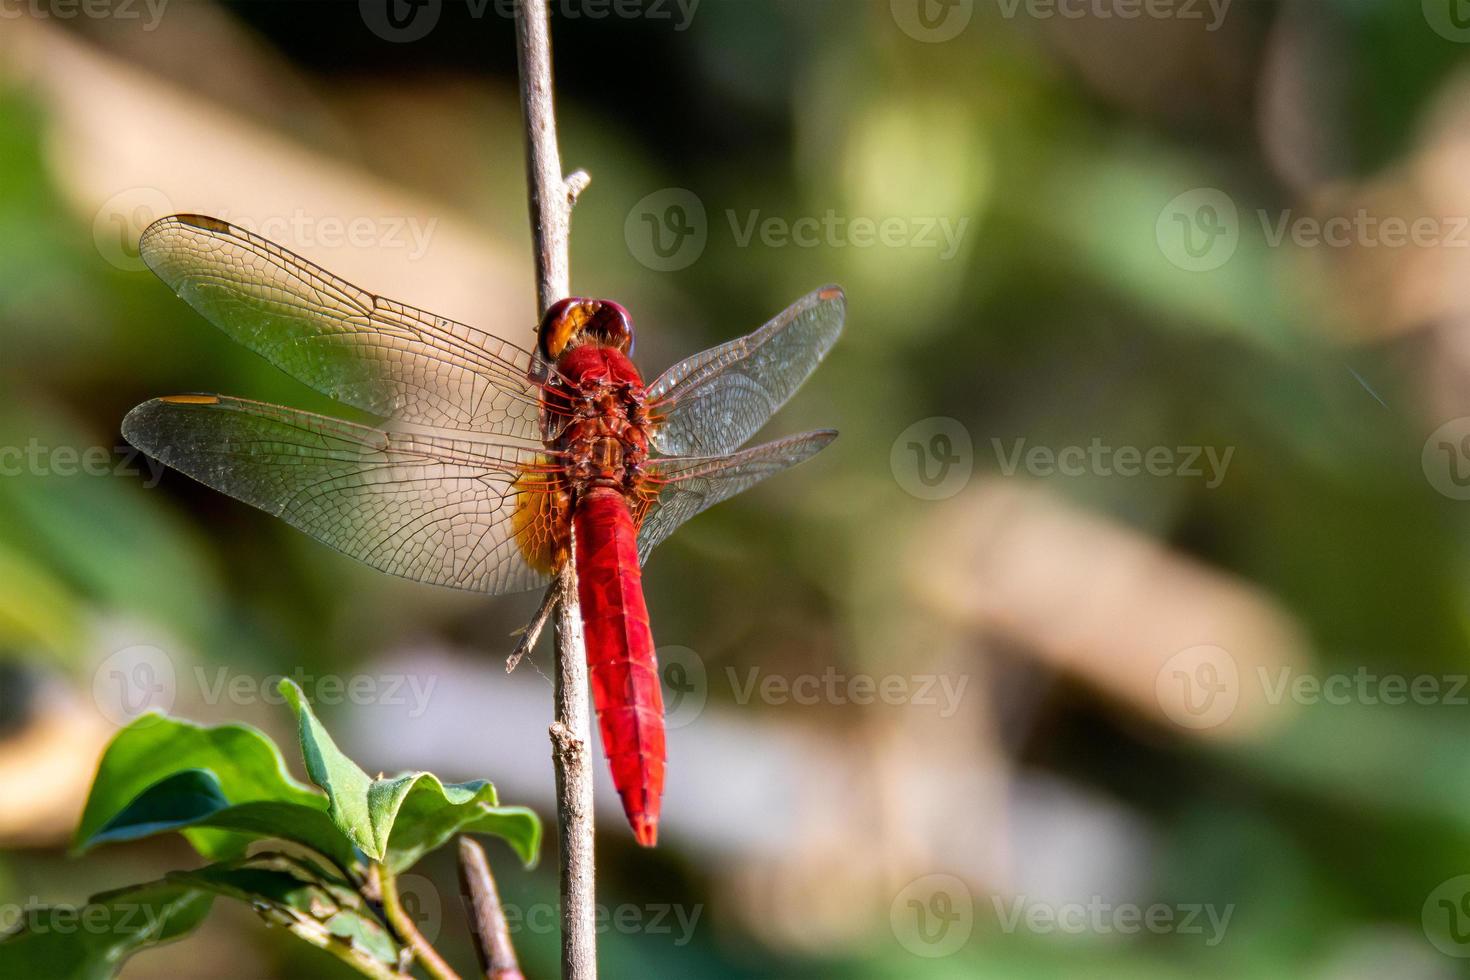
[(363, 350), (692, 483), (441, 510), (712, 402)]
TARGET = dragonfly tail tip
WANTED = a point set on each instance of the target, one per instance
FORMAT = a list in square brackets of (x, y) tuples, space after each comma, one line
[(646, 830)]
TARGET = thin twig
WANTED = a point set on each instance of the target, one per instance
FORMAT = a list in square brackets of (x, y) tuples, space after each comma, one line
[(487, 918), (403, 926), (551, 199), (533, 629)]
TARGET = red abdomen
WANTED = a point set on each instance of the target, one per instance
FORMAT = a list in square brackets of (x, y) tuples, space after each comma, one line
[(620, 656)]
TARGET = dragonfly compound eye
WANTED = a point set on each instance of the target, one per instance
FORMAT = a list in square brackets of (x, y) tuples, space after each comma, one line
[(574, 321), (611, 326)]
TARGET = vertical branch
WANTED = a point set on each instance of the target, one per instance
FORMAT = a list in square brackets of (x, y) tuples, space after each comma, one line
[(570, 737), (551, 197), (552, 194)]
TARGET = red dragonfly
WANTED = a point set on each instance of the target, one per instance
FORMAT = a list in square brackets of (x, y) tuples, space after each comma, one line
[(502, 464)]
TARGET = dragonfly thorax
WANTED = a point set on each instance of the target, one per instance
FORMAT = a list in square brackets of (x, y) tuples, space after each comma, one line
[(605, 436), (604, 451)]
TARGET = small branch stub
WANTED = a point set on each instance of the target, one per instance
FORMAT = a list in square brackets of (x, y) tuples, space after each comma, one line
[(576, 184), (533, 629)]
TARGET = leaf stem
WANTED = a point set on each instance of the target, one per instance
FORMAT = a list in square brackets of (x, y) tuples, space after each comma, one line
[(402, 924), (311, 931)]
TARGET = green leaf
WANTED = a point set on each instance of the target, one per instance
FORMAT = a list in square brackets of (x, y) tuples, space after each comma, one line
[(398, 820), (91, 942), (427, 813), (194, 798), (246, 764), (315, 905)]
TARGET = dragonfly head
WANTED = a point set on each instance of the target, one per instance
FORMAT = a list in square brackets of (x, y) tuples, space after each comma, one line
[(574, 321)]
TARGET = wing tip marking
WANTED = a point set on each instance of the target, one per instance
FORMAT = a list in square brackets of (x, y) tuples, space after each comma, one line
[(203, 222), (190, 399)]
